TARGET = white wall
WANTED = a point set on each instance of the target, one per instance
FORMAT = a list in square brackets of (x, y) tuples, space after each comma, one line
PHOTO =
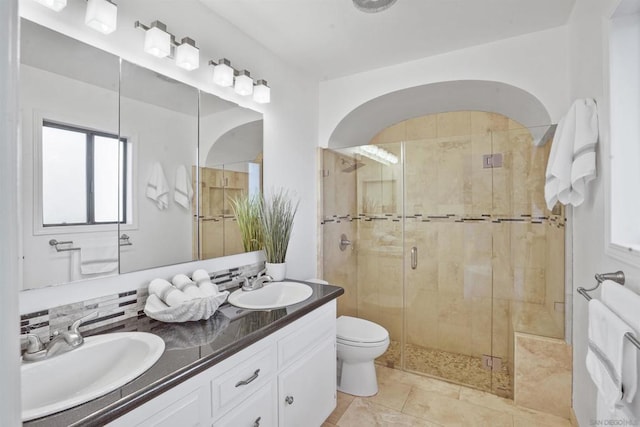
[(536, 63), (10, 224), (158, 237), (290, 132), (588, 69)]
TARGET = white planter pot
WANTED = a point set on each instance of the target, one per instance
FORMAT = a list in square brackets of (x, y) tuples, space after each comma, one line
[(276, 271)]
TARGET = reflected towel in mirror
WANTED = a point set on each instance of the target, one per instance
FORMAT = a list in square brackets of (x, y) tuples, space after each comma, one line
[(158, 187), (183, 192), (98, 259)]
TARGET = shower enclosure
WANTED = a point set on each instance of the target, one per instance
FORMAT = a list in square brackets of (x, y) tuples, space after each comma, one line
[(438, 231)]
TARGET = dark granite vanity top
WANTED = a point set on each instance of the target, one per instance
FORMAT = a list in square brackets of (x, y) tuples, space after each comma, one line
[(191, 348)]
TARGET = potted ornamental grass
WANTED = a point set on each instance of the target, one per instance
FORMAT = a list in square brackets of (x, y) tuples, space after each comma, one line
[(247, 210), (276, 216)]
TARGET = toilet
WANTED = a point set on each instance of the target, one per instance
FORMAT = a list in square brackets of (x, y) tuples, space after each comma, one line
[(359, 342)]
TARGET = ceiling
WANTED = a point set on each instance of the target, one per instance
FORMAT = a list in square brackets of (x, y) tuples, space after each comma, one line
[(331, 38)]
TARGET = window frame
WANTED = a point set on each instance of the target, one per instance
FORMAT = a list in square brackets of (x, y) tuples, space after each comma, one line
[(622, 251), (90, 136), (33, 176)]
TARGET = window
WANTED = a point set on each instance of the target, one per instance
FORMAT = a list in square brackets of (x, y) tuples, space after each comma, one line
[(624, 176), (83, 178)]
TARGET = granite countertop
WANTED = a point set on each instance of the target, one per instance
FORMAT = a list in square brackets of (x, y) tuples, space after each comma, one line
[(191, 347)]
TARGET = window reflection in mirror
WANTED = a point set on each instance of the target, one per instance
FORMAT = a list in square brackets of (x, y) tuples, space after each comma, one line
[(69, 118), (81, 177)]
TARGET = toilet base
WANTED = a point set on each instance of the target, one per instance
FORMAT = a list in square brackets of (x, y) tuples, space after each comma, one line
[(358, 378)]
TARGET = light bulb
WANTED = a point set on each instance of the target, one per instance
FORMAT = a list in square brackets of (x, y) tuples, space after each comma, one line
[(244, 83), (101, 15)]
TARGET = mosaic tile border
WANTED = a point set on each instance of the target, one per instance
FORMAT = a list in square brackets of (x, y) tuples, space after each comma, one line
[(555, 220), (113, 308)]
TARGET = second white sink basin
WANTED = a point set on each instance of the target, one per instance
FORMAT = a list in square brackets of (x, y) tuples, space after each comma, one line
[(272, 295), (100, 365)]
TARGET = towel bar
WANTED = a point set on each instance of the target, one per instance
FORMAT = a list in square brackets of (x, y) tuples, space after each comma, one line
[(617, 277), (55, 243), (124, 240)]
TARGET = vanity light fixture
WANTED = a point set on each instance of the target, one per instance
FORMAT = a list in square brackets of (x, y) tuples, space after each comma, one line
[(262, 92), (56, 5), (244, 83), (101, 15), (187, 54), (222, 72), (157, 41)]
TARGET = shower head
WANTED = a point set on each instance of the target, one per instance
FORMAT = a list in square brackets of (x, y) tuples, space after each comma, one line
[(351, 166)]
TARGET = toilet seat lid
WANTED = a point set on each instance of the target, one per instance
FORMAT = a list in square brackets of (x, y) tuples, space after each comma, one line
[(359, 330)]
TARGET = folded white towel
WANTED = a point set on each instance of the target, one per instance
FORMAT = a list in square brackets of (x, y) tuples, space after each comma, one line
[(572, 161), (167, 293), (624, 303), (98, 258), (605, 351), (183, 191), (157, 187)]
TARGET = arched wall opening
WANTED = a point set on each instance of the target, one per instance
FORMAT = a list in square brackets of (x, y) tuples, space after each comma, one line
[(360, 125)]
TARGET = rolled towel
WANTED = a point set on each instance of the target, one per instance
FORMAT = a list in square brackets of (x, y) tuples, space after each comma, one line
[(168, 293), (187, 286), (208, 288), (200, 275)]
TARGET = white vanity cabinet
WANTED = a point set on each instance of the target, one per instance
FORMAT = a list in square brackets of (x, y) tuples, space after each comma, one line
[(286, 379)]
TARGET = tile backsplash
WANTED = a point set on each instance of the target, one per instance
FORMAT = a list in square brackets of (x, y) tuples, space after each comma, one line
[(113, 308)]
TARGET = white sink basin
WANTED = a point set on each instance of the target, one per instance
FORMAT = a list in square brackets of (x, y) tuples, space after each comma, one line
[(100, 365), (272, 295)]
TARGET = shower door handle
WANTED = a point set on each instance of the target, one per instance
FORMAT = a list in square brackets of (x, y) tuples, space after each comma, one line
[(414, 258)]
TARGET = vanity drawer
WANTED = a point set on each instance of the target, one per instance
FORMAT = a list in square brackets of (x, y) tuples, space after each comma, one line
[(243, 379), (259, 410), (320, 324)]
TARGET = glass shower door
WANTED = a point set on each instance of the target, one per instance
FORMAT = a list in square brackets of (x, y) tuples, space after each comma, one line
[(448, 258)]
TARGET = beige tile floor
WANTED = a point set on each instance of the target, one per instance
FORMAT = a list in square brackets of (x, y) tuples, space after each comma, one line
[(406, 399)]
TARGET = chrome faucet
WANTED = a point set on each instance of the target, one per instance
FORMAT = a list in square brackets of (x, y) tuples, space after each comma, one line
[(259, 281), (61, 342)]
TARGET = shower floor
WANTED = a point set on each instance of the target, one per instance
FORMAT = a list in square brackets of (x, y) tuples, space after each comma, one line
[(458, 368)]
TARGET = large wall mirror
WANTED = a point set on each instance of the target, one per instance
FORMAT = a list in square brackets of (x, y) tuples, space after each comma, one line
[(111, 156)]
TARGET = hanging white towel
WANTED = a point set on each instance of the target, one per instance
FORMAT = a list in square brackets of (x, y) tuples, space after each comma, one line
[(605, 352), (624, 303), (158, 187), (98, 258), (572, 161), (183, 192)]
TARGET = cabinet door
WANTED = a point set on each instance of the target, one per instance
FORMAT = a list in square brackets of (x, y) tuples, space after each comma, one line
[(307, 389)]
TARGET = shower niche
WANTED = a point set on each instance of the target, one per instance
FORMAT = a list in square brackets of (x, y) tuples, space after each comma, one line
[(488, 255)]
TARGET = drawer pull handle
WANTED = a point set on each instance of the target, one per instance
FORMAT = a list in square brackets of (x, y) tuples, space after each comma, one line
[(256, 423), (248, 380), (289, 400)]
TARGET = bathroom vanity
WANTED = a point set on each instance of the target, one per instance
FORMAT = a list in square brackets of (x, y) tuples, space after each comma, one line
[(240, 367)]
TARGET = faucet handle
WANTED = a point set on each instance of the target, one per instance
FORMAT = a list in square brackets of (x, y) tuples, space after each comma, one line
[(34, 343), (75, 326)]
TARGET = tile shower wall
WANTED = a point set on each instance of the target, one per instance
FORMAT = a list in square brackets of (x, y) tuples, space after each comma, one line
[(491, 256)]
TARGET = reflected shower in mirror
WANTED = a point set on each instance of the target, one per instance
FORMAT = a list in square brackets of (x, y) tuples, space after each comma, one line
[(69, 117), (159, 119), (231, 165)]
